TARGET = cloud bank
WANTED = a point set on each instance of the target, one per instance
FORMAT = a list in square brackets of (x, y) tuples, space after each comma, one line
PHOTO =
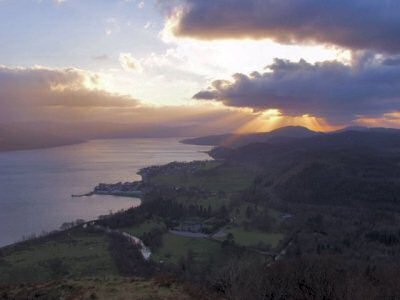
[(74, 96), (56, 87), (340, 93), (44, 92), (355, 24)]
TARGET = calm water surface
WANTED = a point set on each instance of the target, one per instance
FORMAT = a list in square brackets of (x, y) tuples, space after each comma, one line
[(36, 186)]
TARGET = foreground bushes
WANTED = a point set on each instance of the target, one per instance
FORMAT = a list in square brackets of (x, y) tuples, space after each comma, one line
[(306, 278), (128, 258)]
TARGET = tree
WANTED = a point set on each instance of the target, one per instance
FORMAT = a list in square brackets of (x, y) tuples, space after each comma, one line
[(249, 212)]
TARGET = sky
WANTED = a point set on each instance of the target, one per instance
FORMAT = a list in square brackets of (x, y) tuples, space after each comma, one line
[(228, 65)]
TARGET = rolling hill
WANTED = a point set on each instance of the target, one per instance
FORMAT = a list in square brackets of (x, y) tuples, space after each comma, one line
[(238, 140)]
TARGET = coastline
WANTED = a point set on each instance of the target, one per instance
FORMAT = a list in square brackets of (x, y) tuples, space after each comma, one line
[(137, 194), (183, 141), (133, 189), (49, 171)]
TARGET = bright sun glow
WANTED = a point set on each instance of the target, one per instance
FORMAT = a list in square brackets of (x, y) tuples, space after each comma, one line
[(195, 64), (273, 119)]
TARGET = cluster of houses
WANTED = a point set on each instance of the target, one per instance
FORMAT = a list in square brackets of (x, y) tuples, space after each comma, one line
[(119, 188)]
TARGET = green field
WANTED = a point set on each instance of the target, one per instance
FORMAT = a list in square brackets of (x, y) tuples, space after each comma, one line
[(223, 178), (73, 253), (145, 227), (251, 238), (175, 247)]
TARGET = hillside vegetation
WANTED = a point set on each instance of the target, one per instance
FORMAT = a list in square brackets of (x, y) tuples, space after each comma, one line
[(308, 218)]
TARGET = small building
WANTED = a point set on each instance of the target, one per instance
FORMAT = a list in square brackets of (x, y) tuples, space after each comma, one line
[(191, 226)]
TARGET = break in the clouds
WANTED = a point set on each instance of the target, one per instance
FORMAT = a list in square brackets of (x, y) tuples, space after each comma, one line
[(340, 93), (355, 24)]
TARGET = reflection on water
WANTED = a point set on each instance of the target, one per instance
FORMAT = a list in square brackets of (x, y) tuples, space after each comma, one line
[(36, 186)]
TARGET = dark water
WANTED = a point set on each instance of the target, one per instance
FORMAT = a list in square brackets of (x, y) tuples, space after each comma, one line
[(36, 186)]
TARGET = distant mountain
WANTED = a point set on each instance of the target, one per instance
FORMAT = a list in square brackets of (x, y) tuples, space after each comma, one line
[(368, 129), (238, 140), (106, 130), (32, 135), (21, 138), (386, 140)]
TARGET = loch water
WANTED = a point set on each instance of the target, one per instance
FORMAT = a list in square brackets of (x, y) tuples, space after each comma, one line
[(36, 185)]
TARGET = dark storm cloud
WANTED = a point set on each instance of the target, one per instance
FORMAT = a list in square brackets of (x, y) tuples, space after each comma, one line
[(340, 93), (354, 24)]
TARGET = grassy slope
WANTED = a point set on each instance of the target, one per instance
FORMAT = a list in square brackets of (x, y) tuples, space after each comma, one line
[(224, 178), (145, 227), (96, 288), (176, 247), (229, 179), (74, 253), (250, 238), (86, 254), (214, 202)]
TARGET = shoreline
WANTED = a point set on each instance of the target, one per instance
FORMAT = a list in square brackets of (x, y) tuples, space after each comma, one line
[(78, 142), (136, 194), (44, 234)]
